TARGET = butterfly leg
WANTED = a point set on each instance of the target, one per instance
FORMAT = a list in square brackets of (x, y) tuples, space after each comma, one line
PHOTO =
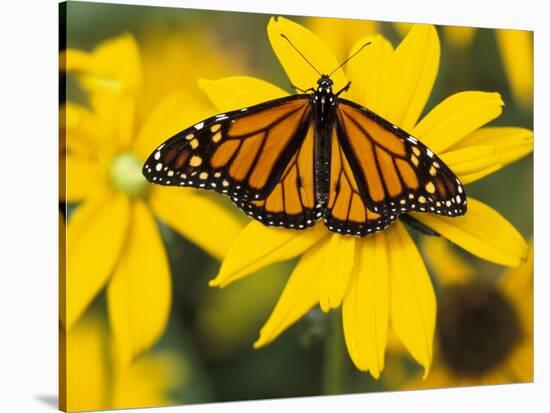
[(344, 89), (302, 90)]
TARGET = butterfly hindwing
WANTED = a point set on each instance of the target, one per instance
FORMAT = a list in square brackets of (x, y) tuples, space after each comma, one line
[(393, 173), (346, 211), (255, 155)]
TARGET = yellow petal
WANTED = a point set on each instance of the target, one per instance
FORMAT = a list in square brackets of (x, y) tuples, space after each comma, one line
[(365, 312), (173, 113), (237, 92), (439, 378), (197, 218), (82, 178), (301, 293), (258, 246), (459, 37), (472, 163), (72, 60), (445, 262), (510, 143), (114, 65), (149, 381), (341, 34), (456, 117), (412, 298), (518, 282), (95, 236), (300, 73), (521, 363), (335, 272), (413, 73), (85, 375), (139, 293), (482, 232), (369, 73), (402, 28), (516, 49), (81, 131)]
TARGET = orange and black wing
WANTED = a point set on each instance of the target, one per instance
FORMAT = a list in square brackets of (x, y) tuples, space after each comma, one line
[(260, 156), (379, 172)]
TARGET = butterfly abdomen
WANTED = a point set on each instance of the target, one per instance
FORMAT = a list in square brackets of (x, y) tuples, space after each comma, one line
[(324, 103)]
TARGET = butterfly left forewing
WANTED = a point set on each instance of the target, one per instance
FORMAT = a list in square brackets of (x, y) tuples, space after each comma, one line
[(240, 153), (260, 156)]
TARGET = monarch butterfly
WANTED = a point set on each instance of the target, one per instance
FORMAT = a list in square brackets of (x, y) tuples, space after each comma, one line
[(292, 161)]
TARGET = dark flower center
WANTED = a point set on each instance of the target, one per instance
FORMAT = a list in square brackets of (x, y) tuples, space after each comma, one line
[(478, 328)]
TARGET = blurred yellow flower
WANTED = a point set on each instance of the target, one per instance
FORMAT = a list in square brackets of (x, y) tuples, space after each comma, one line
[(94, 380), (341, 34), (381, 278), (485, 327), (112, 237), (516, 50)]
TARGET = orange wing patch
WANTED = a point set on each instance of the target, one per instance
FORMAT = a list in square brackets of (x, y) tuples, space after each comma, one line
[(347, 213), (292, 199), (395, 173)]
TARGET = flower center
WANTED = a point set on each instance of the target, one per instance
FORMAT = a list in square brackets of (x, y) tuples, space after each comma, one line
[(126, 175), (478, 328)]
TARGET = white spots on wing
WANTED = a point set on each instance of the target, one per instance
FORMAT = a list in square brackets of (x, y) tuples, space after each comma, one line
[(199, 125), (203, 175), (225, 183), (158, 167), (412, 139), (170, 173), (217, 137), (189, 137), (458, 199), (430, 153), (430, 187), (157, 155), (244, 109), (459, 189), (195, 161)]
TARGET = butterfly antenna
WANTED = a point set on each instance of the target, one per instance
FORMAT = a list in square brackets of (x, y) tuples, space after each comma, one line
[(349, 58), (300, 53)]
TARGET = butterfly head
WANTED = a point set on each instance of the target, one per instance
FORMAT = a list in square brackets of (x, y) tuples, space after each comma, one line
[(324, 84)]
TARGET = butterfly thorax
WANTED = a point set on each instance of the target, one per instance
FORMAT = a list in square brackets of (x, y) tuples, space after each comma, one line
[(324, 102)]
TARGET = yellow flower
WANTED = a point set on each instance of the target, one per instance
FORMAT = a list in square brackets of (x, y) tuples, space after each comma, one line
[(112, 237), (379, 279), (94, 380), (485, 327), (459, 37), (340, 34), (516, 50)]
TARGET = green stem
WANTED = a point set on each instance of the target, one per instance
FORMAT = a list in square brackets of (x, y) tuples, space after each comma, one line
[(334, 362)]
